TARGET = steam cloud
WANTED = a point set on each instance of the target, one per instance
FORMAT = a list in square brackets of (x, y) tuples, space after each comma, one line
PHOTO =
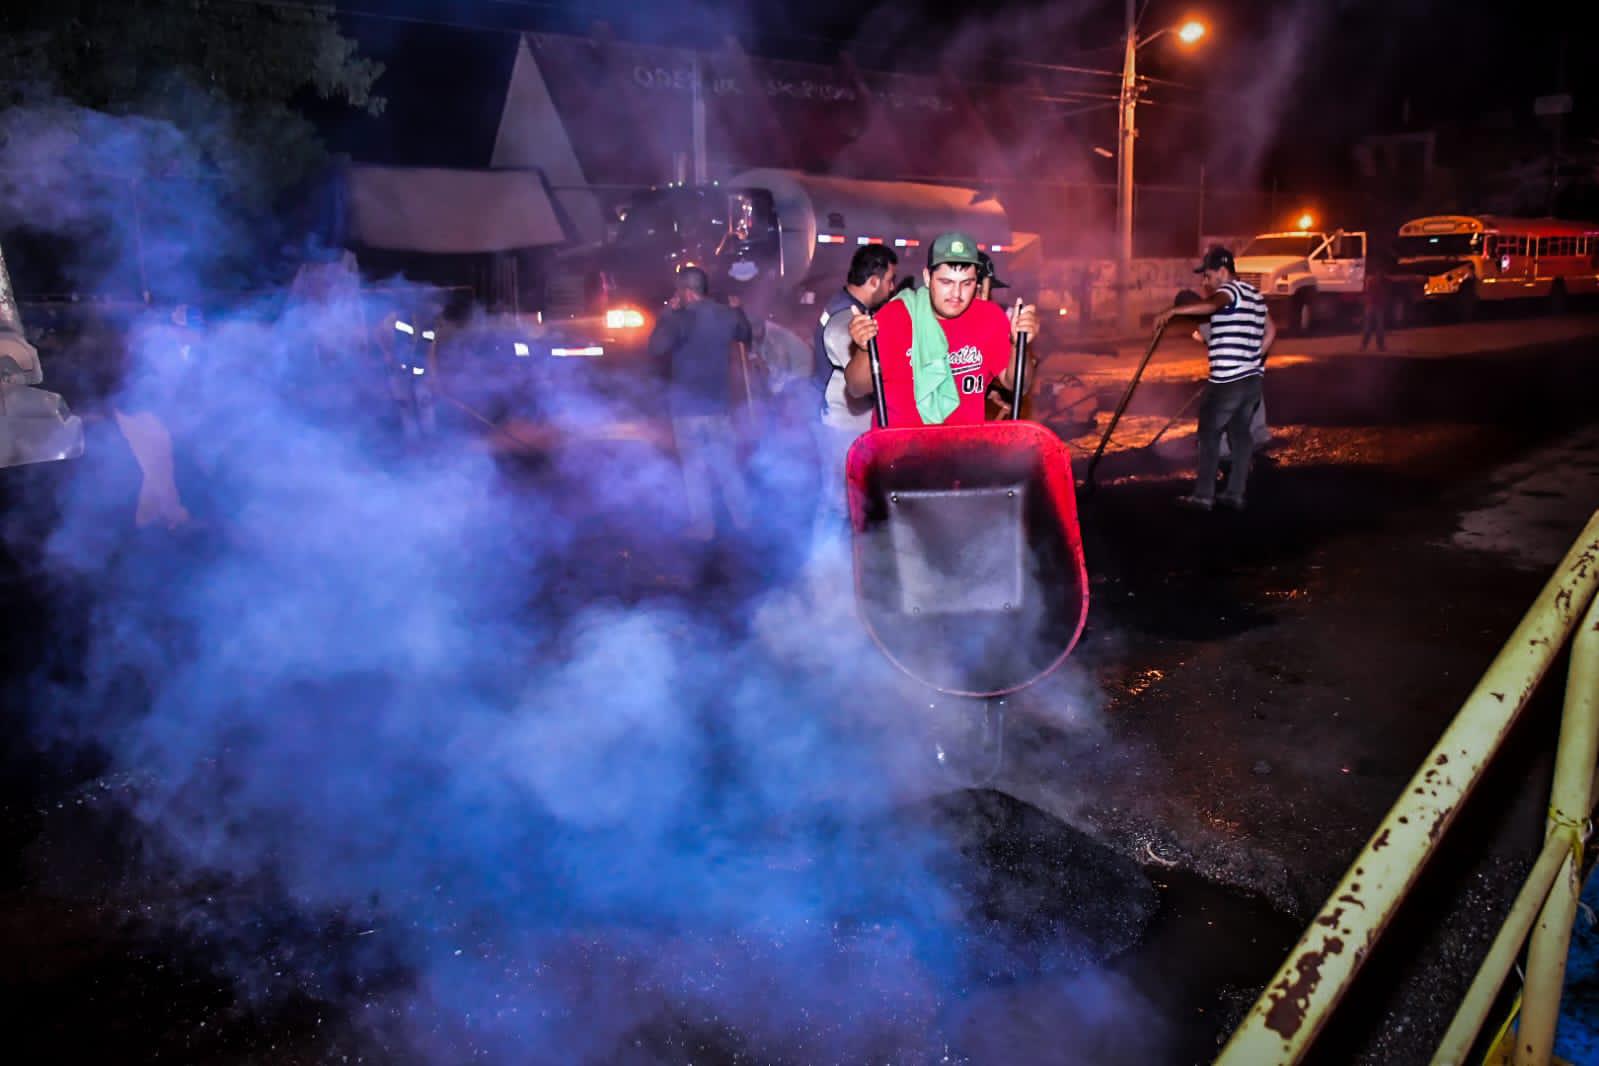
[(544, 824)]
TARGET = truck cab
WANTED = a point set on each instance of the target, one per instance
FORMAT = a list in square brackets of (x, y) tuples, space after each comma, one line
[(35, 425), (608, 295), (1306, 276)]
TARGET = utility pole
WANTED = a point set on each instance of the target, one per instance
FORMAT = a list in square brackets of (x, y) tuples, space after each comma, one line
[(1127, 133), (701, 177)]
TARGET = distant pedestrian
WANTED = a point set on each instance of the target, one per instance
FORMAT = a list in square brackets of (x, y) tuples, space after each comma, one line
[(987, 277), (1240, 333), (783, 358), (698, 341), (1374, 301)]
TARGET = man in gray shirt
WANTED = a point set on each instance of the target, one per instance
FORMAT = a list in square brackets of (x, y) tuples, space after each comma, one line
[(869, 285)]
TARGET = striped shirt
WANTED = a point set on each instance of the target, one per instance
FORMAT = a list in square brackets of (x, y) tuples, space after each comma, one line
[(1238, 334)]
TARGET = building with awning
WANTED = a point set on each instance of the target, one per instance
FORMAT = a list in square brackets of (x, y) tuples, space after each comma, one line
[(601, 117)]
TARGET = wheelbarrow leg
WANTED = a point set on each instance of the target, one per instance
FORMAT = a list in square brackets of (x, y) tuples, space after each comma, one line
[(977, 760)]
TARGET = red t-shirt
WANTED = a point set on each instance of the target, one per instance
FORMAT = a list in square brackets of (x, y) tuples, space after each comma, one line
[(979, 351)]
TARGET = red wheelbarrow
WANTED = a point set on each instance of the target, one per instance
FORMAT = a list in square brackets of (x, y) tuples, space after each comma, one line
[(969, 570)]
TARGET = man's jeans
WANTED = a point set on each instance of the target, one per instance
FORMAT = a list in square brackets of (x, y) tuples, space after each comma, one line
[(1374, 323), (832, 447), (709, 454), (1227, 408)]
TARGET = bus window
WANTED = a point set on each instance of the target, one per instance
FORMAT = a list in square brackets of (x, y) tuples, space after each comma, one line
[(1439, 245)]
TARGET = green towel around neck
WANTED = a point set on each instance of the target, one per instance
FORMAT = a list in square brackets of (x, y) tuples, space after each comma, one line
[(931, 378)]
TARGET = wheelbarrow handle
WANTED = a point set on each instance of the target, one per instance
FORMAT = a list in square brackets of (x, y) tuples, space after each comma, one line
[(1019, 378), (878, 398)]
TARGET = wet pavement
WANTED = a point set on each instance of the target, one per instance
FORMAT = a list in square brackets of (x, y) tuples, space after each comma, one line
[(1272, 679), (1252, 692)]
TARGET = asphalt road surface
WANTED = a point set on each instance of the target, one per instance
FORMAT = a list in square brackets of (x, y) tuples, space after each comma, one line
[(1251, 693)]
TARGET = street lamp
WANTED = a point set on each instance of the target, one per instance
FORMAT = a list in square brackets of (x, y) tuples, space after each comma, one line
[(1188, 32)]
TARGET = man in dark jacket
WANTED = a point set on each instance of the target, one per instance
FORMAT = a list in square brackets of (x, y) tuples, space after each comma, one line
[(697, 340)]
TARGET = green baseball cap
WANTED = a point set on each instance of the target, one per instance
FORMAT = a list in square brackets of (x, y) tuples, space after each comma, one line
[(953, 247)]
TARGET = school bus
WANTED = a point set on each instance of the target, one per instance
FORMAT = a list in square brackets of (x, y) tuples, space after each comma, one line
[(1462, 259)]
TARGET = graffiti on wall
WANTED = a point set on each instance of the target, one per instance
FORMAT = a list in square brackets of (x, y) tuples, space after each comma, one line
[(1086, 288)]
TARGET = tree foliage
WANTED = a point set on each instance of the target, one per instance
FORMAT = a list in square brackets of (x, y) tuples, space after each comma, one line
[(232, 75)]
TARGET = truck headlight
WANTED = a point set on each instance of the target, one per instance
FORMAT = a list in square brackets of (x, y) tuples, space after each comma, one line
[(1281, 284), (624, 318)]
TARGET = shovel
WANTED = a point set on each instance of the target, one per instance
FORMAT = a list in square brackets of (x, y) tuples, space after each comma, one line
[(1121, 407)]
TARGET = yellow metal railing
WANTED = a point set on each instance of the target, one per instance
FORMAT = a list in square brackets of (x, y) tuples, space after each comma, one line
[(1296, 1003)]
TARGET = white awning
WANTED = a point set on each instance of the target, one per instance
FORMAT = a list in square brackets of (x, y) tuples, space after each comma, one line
[(417, 209)]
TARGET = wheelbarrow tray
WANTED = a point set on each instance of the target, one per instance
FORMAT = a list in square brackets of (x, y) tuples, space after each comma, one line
[(969, 570)]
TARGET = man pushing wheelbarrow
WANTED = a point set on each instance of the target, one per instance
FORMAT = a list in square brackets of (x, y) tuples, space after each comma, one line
[(942, 345), (969, 566)]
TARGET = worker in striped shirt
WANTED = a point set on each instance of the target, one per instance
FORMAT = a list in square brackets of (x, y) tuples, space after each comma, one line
[(1240, 334)]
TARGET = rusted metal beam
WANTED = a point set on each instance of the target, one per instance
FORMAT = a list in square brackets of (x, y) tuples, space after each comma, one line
[(1299, 998), (1479, 998), (1569, 808)]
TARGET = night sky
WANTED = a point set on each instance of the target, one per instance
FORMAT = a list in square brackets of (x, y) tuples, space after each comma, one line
[(1326, 72)]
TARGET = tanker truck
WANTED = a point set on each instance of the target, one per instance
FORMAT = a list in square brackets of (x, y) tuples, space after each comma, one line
[(780, 241)]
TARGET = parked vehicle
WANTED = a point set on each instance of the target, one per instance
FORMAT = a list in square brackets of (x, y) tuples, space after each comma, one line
[(779, 241), (1459, 260), (1307, 276)]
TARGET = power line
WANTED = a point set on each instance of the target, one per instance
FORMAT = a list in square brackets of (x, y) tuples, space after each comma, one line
[(1077, 97), (1096, 72), (311, 7), (1085, 110)]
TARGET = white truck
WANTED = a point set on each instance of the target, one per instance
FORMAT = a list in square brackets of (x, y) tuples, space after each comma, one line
[(1307, 277)]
